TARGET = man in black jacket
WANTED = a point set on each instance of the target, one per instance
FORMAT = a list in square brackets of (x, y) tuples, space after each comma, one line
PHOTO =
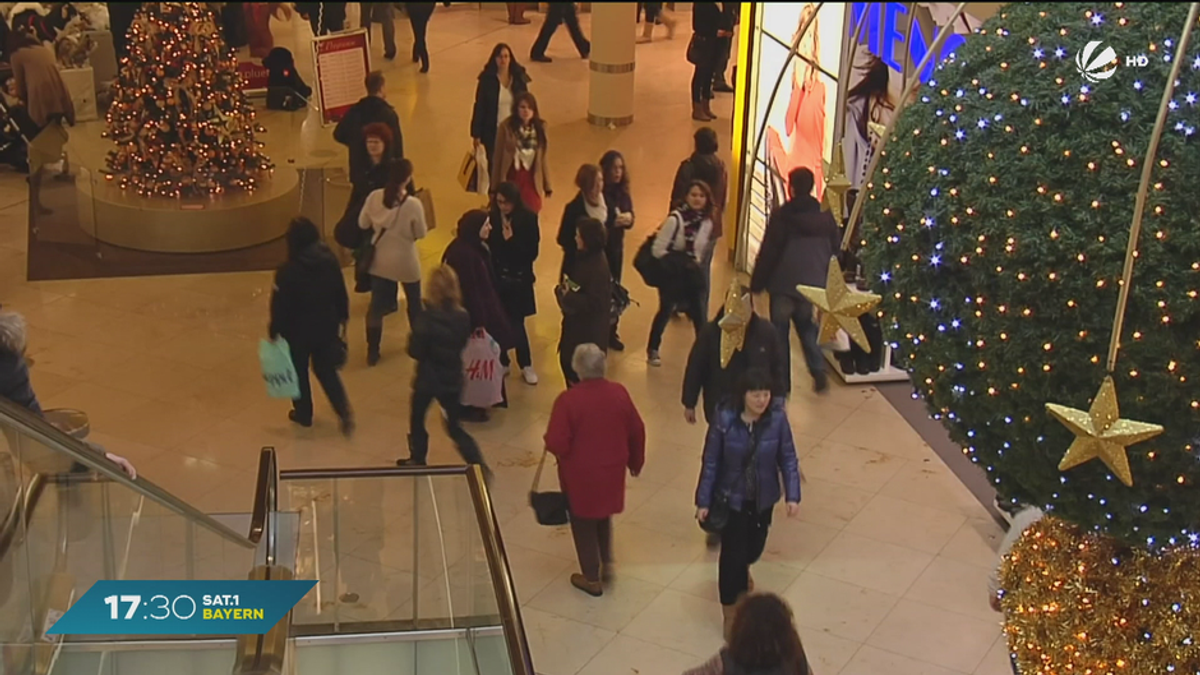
[(798, 242), (371, 108), (756, 347)]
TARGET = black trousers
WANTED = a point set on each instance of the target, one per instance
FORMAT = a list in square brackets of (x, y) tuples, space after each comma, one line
[(418, 16), (666, 307), (524, 354), (564, 361), (615, 252), (418, 437), (324, 366), (384, 14), (742, 543), (557, 14), (593, 544), (702, 77), (724, 49)]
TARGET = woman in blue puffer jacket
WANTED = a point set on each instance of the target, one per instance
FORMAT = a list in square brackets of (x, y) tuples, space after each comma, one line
[(748, 450)]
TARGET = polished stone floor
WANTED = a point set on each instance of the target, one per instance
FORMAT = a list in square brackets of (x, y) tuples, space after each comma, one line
[(885, 566)]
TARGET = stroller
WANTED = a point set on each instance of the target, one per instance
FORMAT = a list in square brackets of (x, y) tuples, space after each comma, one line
[(16, 130)]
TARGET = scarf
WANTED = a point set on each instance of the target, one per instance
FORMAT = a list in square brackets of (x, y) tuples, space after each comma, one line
[(598, 211), (527, 147), (691, 227), (735, 321)]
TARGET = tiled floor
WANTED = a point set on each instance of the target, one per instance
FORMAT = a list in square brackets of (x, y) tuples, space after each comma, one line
[(885, 566)]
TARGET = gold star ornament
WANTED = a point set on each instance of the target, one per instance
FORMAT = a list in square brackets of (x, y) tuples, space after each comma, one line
[(840, 306), (738, 313), (1101, 433)]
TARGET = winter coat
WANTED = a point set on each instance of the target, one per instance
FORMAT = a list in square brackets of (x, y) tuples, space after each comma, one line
[(309, 303), (473, 263), (760, 350), (682, 273), (597, 434), (725, 453), (711, 170), (587, 312), (504, 158), (14, 371), (438, 339), (395, 232), (35, 71), (487, 114), (513, 260), (708, 18), (348, 132), (797, 244), (723, 664), (618, 200), (576, 210)]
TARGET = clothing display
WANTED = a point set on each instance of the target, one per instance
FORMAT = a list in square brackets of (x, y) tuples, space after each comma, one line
[(804, 126)]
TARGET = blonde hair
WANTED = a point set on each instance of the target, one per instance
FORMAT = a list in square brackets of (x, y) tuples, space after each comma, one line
[(443, 290)]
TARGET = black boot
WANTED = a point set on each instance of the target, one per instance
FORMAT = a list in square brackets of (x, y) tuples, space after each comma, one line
[(374, 337), (614, 341), (416, 453)]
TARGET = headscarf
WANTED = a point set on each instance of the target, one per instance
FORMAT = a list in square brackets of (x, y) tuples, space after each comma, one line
[(736, 320)]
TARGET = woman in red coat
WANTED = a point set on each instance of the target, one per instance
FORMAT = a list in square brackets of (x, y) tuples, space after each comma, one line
[(596, 433)]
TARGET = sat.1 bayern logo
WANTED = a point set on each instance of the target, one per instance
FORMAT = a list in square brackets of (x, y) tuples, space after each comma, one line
[(1096, 67)]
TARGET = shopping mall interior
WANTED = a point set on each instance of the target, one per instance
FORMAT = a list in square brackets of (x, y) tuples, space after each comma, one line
[(885, 565)]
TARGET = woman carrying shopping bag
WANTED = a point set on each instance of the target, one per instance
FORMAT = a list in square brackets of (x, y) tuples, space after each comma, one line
[(437, 342), (748, 452), (471, 259)]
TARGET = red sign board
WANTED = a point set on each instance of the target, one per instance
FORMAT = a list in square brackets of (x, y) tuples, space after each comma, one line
[(254, 77), (341, 61)]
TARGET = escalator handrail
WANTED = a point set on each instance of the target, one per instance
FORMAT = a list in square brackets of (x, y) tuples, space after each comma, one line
[(266, 502), (22, 512), (493, 545), (41, 431)]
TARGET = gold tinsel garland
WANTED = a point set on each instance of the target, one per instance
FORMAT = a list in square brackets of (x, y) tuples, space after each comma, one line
[(1077, 602)]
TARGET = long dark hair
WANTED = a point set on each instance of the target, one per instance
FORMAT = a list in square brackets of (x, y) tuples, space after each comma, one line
[(514, 120), (301, 234), (399, 173), (606, 163), (591, 231), (511, 194), (490, 68), (763, 637), (876, 74)]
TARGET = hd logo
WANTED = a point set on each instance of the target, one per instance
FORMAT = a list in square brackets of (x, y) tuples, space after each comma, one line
[(1096, 67)]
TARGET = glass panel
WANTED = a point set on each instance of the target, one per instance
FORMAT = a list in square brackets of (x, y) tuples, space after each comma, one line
[(195, 659), (402, 550)]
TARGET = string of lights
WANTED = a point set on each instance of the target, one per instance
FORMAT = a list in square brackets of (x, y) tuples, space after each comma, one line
[(179, 120)]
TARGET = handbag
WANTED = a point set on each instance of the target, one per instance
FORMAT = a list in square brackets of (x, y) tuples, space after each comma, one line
[(426, 198), (651, 269), (364, 255), (719, 510), (467, 173), (550, 508), (700, 49)]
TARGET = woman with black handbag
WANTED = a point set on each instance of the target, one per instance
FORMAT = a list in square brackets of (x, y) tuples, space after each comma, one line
[(679, 249), (748, 450), (310, 308), (514, 241)]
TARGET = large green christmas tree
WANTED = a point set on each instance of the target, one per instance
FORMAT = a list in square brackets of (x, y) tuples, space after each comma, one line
[(181, 124), (996, 231)]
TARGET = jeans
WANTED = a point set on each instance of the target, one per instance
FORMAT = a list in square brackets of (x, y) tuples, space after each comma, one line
[(593, 544), (702, 78), (524, 354), (557, 14), (666, 307), (382, 13), (742, 543), (418, 437), (787, 311), (324, 366)]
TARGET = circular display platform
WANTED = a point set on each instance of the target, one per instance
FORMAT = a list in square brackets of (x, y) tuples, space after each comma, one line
[(202, 225)]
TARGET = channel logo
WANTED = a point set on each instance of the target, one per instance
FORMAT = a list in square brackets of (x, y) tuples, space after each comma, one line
[(1096, 67)]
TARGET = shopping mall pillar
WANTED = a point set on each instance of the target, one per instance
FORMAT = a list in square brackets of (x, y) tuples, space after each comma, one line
[(610, 96)]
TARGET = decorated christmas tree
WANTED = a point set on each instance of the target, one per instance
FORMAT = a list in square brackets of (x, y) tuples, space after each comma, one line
[(179, 119), (1049, 314)]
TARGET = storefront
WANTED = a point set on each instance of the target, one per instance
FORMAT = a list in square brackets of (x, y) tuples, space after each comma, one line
[(826, 100)]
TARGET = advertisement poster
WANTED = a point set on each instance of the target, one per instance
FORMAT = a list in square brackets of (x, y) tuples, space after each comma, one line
[(342, 61)]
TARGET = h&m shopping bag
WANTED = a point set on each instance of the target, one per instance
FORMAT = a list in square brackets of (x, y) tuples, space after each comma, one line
[(278, 370), (483, 378)]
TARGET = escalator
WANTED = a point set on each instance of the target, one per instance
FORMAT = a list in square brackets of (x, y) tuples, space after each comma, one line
[(409, 563)]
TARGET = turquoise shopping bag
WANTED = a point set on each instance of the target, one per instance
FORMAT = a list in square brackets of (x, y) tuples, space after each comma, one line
[(278, 371)]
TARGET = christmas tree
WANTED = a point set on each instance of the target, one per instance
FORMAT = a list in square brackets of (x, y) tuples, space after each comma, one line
[(180, 122), (997, 230)]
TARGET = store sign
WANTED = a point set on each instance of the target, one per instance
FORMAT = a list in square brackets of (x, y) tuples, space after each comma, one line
[(884, 35)]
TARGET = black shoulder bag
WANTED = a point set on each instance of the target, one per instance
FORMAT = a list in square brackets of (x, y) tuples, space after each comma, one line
[(718, 509)]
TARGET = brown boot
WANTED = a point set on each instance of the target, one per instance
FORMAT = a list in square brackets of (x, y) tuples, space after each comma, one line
[(698, 113), (727, 612), (707, 110), (592, 588)]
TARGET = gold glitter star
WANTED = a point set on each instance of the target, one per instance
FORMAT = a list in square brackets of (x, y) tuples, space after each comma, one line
[(1101, 433), (840, 307)]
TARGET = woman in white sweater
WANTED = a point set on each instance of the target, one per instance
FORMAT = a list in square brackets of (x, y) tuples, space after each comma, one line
[(680, 245), (397, 221)]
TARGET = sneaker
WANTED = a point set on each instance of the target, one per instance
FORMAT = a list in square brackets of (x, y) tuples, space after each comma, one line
[(653, 358), (528, 374)]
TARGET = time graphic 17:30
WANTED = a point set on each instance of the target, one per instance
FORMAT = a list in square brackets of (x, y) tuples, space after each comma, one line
[(160, 607)]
